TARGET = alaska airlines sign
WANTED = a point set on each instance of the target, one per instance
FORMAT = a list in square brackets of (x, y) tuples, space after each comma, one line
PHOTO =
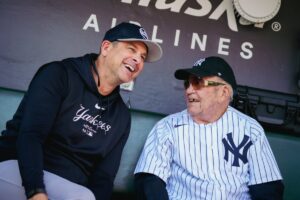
[(202, 8)]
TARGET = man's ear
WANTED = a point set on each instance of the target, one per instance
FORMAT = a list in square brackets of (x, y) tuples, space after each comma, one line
[(225, 93), (105, 46)]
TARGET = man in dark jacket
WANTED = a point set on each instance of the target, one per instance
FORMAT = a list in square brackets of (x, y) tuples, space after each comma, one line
[(66, 138)]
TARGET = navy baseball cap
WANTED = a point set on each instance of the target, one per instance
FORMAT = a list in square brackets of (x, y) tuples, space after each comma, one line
[(131, 32), (210, 66)]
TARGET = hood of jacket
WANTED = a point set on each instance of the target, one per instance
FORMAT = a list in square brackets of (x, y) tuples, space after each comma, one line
[(84, 66)]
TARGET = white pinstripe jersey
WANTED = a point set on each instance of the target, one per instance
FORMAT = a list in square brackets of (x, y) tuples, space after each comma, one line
[(213, 161)]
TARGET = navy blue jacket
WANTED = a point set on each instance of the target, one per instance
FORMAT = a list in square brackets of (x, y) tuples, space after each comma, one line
[(63, 125)]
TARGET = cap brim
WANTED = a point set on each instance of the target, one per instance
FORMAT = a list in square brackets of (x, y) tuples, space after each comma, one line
[(182, 74), (154, 49)]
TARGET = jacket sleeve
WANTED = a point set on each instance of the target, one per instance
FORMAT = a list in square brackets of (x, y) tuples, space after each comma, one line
[(267, 191), (150, 187), (41, 105), (101, 181)]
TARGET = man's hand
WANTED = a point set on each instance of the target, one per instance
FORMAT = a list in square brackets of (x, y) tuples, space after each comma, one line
[(39, 196)]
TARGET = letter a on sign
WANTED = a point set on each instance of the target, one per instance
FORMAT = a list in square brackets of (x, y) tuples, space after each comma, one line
[(92, 23)]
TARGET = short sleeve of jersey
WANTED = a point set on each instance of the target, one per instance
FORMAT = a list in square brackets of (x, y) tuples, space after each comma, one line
[(262, 164), (157, 153)]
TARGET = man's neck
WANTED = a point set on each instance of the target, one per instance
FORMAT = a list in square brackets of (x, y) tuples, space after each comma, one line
[(107, 84), (211, 116)]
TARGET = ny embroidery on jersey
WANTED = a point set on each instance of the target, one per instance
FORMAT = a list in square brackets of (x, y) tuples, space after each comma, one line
[(235, 150)]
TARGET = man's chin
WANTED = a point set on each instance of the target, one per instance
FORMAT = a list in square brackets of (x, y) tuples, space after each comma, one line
[(126, 79), (191, 111)]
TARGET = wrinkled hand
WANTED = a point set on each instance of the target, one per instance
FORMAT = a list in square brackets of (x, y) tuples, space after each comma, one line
[(39, 196)]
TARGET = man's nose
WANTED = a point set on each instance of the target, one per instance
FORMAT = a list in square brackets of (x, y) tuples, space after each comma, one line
[(137, 58), (190, 88)]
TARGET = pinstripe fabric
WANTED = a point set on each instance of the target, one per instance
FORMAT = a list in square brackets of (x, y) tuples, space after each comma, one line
[(214, 161)]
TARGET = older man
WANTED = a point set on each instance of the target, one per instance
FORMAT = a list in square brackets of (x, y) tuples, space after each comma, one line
[(210, 150)]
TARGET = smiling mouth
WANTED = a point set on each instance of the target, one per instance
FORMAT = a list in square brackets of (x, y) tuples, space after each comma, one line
[(191, 100), (130, 68)]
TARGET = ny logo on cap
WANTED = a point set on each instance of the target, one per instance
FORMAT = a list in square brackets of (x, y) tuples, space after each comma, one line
[(199, 62), (143, 33)]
